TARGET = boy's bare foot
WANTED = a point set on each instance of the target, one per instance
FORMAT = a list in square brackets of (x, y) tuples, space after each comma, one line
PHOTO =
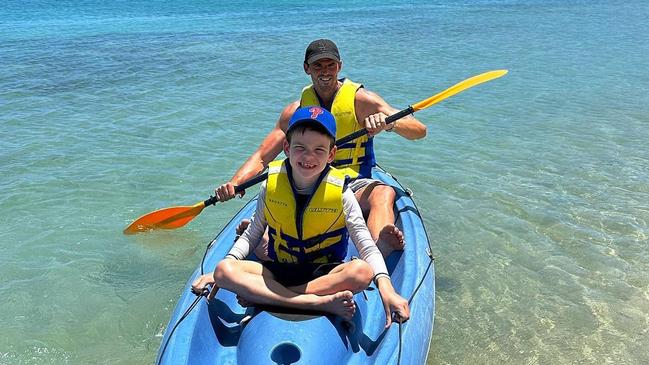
[(390, 239), (201, 283), (244, 302), (341, 304)]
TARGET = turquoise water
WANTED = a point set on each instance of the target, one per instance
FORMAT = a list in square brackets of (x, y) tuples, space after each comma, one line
[(534, 187)]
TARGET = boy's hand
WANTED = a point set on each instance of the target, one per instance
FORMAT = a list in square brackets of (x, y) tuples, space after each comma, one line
[(399, 306), (200, 285), (392, 302)]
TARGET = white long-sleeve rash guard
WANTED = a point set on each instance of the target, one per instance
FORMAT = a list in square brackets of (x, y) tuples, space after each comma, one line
[(354, 222)]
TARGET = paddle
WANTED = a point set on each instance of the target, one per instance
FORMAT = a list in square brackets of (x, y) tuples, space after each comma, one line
[(455, 89), (175, 217)]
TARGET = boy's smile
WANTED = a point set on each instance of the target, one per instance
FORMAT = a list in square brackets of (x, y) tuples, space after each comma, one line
[(306, 166), (308, 153)]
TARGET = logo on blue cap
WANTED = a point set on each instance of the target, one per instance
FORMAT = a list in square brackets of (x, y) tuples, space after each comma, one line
[(314, 114)]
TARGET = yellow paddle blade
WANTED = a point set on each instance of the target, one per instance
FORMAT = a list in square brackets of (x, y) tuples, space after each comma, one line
[(167, 218), (458, 88)]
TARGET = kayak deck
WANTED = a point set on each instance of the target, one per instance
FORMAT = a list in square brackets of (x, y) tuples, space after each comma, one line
[(223, 332)]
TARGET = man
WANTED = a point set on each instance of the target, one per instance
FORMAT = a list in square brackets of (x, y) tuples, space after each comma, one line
[(354, 108)]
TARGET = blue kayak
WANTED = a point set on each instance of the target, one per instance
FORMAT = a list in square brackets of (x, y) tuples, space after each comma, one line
[(223, 332)]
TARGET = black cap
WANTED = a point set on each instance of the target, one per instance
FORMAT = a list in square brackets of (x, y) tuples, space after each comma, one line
[(319, 49)]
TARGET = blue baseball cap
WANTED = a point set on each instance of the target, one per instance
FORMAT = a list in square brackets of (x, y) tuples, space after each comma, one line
[(314, 114)]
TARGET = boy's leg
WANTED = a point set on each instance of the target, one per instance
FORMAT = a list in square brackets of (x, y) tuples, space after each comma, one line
[(261, 252), (254, 283), (354, 276), (208, 279)]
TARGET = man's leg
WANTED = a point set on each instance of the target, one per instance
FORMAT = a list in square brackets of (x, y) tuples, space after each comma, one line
[(254, 283), (377, 203)]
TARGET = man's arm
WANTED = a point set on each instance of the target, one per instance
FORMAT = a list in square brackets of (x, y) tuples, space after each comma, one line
[(371, 111), (267, 151)]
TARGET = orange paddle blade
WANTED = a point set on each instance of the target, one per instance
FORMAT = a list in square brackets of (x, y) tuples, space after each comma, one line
[(167, 218)]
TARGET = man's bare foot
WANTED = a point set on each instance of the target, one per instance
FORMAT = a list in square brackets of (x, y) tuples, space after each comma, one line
[(341, 304), (390, 239), (201, 283), (242, 226), (262, 249)]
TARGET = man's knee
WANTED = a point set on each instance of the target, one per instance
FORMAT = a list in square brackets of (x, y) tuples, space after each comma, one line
[(382, 195), (375, 196)]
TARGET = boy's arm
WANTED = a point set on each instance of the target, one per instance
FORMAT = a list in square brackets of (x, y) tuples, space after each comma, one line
[(245, 244), (392, 302), (360, 235), (250, 238)]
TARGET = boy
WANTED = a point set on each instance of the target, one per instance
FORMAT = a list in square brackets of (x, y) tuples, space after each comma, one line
[(310, 215)]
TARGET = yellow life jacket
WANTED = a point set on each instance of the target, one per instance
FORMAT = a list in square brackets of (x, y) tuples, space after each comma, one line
[(355, 157), (317, 234)]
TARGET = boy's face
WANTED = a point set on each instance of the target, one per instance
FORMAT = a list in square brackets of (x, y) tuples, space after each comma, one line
[(308, 153)]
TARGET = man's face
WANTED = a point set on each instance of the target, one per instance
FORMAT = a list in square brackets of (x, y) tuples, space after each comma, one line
[(324, 73)]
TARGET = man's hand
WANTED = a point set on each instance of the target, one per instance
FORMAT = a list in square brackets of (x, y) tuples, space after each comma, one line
[(226, 192), (375, 123)]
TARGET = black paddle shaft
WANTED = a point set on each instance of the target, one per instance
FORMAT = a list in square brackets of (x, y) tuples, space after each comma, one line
[(259, 178), (390, 119), (239, 188)]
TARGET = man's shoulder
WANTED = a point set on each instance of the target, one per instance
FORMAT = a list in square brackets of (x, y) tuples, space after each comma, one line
[(364, 95), (291, 107), (366, 103), (287, 113)]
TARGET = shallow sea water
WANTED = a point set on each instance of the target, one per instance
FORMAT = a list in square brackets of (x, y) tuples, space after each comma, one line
[(534, 187)]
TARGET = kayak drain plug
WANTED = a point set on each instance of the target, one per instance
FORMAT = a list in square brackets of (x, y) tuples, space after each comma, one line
[(285, 353)]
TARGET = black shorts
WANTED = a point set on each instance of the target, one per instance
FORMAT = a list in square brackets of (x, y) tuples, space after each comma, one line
[(297, 274)]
